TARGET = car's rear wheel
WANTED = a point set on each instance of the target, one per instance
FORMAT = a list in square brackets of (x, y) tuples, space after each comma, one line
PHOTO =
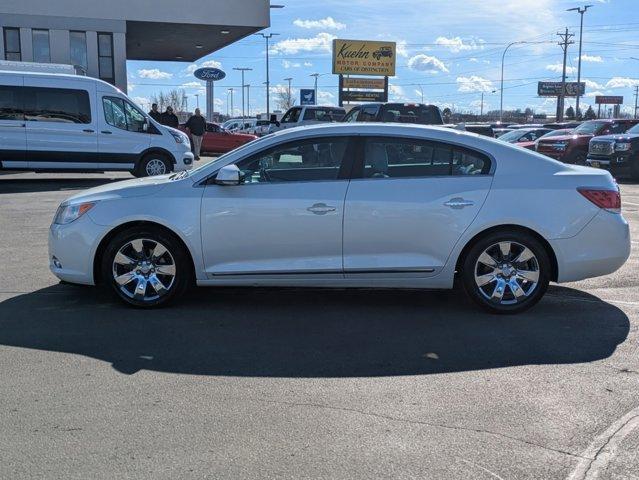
[(151, 165), (506, 272), (146, 267)]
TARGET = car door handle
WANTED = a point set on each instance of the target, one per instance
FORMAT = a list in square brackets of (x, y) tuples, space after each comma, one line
[(321, 209), (458, 203), (106, 132), (88, 130)]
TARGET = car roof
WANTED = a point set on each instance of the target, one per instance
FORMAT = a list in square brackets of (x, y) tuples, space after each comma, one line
[(103, 86)]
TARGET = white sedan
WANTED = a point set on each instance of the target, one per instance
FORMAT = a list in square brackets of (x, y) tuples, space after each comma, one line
[(349, 205)]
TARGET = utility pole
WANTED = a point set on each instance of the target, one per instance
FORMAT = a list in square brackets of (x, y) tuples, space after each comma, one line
[(230, 90), (268, 82), (565, 41), (290, 99), (248, 99), (316, 75), (243, 69), (636, 98), (581, 12), (481, 111)]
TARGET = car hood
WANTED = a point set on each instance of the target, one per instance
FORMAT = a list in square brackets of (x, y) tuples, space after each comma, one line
[(622, 137), (137, 187), (245, 136), (564, 137)]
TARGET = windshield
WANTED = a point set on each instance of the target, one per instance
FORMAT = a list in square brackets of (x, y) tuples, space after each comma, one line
[(634, 129), (512, 136), (589, 128), (557, 133)]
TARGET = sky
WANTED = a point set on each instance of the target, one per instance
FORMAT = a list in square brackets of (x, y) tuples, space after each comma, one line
[(448, 51)]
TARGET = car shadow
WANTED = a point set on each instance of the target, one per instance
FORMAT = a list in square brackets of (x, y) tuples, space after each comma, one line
[(23, 185), (312, 333)]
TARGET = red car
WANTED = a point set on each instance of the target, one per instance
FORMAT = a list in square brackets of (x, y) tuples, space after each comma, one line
[(218, 140), (573, 148)]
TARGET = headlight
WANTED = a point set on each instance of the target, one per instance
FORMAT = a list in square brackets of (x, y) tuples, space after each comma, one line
[(622, 147), (69, 213), (179, 137)]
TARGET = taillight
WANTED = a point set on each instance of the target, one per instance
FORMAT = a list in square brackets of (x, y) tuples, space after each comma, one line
[(607, 199)]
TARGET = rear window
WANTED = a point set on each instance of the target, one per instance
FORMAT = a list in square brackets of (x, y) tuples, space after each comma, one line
[(323, 114), (422, 114)]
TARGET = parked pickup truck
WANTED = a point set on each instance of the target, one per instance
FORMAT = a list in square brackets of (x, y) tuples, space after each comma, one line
[(617, 153), (573, 148)]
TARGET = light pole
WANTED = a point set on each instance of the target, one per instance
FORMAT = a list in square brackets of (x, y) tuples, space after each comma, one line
[(197, 100), (243, 69), (421, 91), (580, 11), (316, 75), (268, 82), (230, 90), (290, 99), (248, 99), (481, 111)]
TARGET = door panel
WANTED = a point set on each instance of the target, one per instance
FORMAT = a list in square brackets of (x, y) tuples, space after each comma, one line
[(273, 228), (60, 125), (13, 137), (404, 225)]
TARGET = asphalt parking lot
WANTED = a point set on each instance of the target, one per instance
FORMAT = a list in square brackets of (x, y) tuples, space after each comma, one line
[(291, 383)]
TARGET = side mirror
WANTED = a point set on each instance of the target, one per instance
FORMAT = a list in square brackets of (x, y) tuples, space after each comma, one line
[(228, 175)]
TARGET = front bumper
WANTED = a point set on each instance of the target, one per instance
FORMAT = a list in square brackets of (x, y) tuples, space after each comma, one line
[(601, 248), (72, 248), (184, 161), (618, 163)]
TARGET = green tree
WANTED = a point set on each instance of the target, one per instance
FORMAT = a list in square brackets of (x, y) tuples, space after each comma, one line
[(570, 113), (590, 114)]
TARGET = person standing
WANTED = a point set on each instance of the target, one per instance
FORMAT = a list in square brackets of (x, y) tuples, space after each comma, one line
[(155, 113), (197, 126), (169, 118)]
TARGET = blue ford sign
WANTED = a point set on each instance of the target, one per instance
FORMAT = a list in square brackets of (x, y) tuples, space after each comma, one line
[(209, 74)]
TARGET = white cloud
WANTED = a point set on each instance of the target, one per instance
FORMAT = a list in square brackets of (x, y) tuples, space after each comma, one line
[(188, 71), (192, 85), (593, 94), (590, 58), (322, 42), (474, 84), (287, 64), (402, 51), (456, 44), (327, 23), (426, 63), (308, 64), (396, 90), (154, 73), (211, 64), (325, 98), (622, 82), (558, 68), (592, 84), (143, 102)]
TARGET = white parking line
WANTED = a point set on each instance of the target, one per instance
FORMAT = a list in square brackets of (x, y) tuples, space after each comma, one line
[(630, 203)]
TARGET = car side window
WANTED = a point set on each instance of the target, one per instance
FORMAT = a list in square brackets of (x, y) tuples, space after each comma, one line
[(410, 158), (212, 128), (61, 105), (11, 103), (299, 161), (353, 115), (121, 114), (369, 114), (617, 128), (292, 116)]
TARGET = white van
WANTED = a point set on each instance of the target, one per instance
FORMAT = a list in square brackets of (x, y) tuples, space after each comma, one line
[(53, 122)]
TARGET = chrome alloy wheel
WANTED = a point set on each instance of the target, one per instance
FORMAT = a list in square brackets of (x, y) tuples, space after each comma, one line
[(507, 273), (144, 270), (155, 166)]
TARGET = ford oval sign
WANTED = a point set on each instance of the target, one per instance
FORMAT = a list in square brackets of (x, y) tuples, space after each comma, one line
[(209, 74)]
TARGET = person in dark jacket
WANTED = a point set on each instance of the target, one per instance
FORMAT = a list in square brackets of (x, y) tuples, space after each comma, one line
[(197, 126), (169, 118), (155, 113)]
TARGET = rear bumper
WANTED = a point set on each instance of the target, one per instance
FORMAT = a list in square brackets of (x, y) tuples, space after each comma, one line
[(601, 248)]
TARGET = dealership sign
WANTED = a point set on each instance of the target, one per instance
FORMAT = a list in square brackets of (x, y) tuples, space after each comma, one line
[(608, 100), (209, 74), (307, 96), (362, 57), (553, 89), (359, 96), (365, 83)]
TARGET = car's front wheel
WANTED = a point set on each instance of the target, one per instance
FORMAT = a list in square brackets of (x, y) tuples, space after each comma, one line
[(506, 272), (146, 267), (151, 165)]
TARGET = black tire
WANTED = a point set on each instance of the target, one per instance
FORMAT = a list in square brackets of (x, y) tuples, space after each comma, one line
[(175, 284), (150, 162), (534, 290)]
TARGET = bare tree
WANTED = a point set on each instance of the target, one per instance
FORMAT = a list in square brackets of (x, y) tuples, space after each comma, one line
[(284, 98), (175, 98)]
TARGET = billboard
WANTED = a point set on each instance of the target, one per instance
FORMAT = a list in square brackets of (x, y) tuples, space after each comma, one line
[(363, 57), (307, 96), (359, 96), (608, 100), (553, 89)]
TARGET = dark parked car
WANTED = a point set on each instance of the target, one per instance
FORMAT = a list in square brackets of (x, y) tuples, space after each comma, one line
[(395, 113), (524, 137), (480, 129), (573, 148), (617, 153)]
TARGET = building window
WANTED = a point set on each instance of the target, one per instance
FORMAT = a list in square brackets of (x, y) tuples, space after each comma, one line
[(78, 48), (105, 57), (41, 49), (12, 44)]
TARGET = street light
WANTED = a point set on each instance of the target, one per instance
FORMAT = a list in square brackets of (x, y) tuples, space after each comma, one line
[(581, 12), (289, 80), (230, 90), (268, 82), (197, 100), (420, 89), (317, 75), (501, 99), (243, 69), (481, 111)]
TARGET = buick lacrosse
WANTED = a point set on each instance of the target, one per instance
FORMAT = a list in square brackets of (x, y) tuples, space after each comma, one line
[(349, 205)]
